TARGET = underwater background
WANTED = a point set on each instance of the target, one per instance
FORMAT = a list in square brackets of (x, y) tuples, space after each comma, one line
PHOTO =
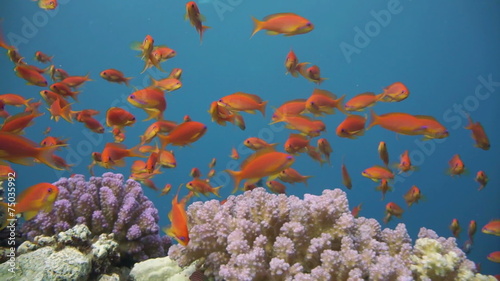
[(446, 53)]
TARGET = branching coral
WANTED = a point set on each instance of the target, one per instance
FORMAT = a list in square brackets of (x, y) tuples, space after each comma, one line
[(262, 236), (105, 204)]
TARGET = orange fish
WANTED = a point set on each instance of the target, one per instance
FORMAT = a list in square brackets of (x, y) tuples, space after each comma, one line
[(291, 62), (184, 134), (352, 127), (234, 154), (198, 186), (47, 4), (139, 166), (292, 107), (263, 163), (195, 173), (49, 141), (494, 256), (17, 149), (179, 221), (160, 54), (6, 172), (384, 187), (312, 73), (276, 187), (377, 173), (115, 76), (17, 123), (482, 179), (15, 56), (15, 100), (304, 124), (60, 108), (315, 154), (175, 73), (257, 143), (288, 24), (405, 163), (43, 58), (296, 143), (212, 163), (323, 101), (478, 134), (325, 148), (36, 198), (382, 152), (151, 100), (30, 75), (166, 189), (401, 123), (167, 84), (151, 163), (240, 101), (211, 173), (413, 195), (290, 175), (76, 81), (394, 93), (118, 118), (471, 230), (457, 167), (196, 18), (355, 210), (64, 90), (167, 159), (392, 209), (346, 179), (361, 101), (493, 227), (160, 126), (431, 128), (220, 114), (113, 154), (455, 228)]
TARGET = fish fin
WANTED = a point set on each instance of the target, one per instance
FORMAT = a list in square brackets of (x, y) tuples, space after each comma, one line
[(340, 105), (236, 175), (28, 215), (374, 119), (257, 26), (44, 155), (270, 32), (262, 108)]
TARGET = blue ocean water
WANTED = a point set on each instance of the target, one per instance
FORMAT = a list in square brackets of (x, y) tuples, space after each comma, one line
[(446, 53)]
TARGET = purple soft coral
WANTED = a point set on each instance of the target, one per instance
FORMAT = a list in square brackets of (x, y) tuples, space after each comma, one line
[(105, 204)]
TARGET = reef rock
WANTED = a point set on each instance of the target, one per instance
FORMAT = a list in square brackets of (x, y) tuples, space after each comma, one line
[(160, 269)]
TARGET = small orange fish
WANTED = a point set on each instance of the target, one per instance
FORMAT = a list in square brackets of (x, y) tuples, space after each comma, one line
[(290, 175), (167, 159), (60, 108), (257, 143), (36, 198), (325, 148), (195, 173), (304, 124), (166, 84), (113, 154), (355, 210), (64, 90), (139, 166), (382, 153), (291, 62), (431, 128), (493, 227), (240, 101), (394, 93), (482, 179), (352, 127), (315, 154), (184, 134), (296, 143), (234, 154), (377, 173), (212, 163), (323, 101), (494, 256), (5, 172), (76, 81), (179, 221), (457, 166), (361, 101), (413, 195), (292, 107), (118, 118), (17, 123), (384, 187), (471, 230), (276, 187), (15, 100), (160, 126), (166, 189), (175, 73), (312, 73), (401, 123), (94, 125), (196, 18), (43, 58), (263, 163), (405, 163), (146, 48), (47, 4), (392, 209), (115, 76), (49, 141), (478, 134), (152, 100), (346, 179), (198, 186), (30, 75), (288, 24), (151, 163), (455, 228)]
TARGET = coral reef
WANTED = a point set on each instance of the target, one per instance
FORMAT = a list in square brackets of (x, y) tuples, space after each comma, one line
[(105, 204), (69, 255), (262, 236), (161, 269)]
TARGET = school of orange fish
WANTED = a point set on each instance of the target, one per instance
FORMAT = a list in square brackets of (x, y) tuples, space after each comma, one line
[(266, 162)]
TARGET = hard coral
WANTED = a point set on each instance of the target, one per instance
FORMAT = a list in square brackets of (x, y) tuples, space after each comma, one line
[(262, 236), (105, 204)]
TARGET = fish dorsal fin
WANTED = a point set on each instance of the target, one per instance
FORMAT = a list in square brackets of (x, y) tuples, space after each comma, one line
[(115, 145), (295, 100), (257, 154), (372, 94), (253, 97), (427, 117), (278, 15), (324, 93)]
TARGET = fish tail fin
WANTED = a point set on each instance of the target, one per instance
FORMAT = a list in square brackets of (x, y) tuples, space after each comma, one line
[(127, 79), (45, 155), (262, 108), (202, 30), (154, 82), (66, 113), (164, 140), (257, 26), (374, 119), (340, 105), (236, 175), (217, 190)]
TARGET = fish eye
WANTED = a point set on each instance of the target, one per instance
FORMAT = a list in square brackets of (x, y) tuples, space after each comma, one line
[(220, 100), (182, 238), (343, 130), (132, 96), (104, 73), (49, 190), (132, 119)]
